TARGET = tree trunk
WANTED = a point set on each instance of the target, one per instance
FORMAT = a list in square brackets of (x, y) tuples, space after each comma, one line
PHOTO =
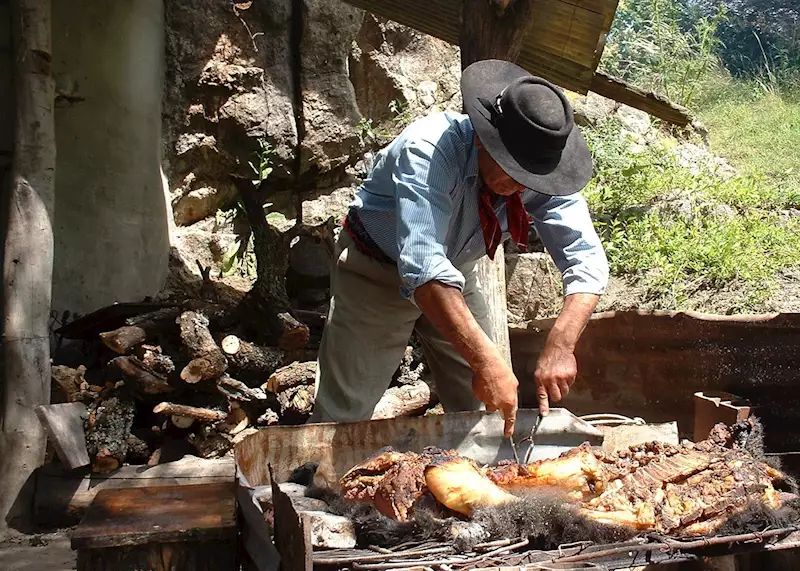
[(494, 29), (27, 259), (267, 302)]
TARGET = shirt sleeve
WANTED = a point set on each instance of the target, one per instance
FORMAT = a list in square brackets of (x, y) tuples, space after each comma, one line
[(566, 230), (423, 181)]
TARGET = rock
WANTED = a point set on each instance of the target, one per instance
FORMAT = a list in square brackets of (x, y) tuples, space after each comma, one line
[(330, 113), (393, 63), (633, 120), (331, 531), (592, 109), (310, 258), (201, 202), (533, 286), (224, 90), (700, 160), (295, 492)]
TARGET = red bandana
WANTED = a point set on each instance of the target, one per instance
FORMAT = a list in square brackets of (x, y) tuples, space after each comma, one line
[(518, 221)]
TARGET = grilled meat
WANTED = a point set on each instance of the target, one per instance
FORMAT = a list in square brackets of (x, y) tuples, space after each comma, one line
[(676, 490)]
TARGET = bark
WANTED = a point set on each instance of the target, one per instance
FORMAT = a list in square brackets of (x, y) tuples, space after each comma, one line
[(27, 259), (208, 361), (139, 329), (141, 380), (153, 359), (407, 400), (296, 404), (493, 29), (69, 380), (238, 391), (292, 376), (108, 427), (248, 360), (267, 302)]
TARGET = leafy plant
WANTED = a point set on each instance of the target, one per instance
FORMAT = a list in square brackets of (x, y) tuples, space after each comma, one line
[(262, 162)]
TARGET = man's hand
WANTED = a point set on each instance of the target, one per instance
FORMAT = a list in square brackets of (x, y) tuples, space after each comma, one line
[(555, 372), (496, 386), (556, 367), (494, 383)]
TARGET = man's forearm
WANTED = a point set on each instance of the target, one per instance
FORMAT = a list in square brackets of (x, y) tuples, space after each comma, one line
[(446, 308), (572, 320)]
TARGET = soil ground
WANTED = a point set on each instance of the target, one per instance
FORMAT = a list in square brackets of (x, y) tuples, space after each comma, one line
[(39, 552)]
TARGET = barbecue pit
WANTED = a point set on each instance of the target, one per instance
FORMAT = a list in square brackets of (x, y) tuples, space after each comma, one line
[(336, 448)]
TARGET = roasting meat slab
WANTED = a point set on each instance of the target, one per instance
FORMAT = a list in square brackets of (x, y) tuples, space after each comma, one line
[(682, 490)]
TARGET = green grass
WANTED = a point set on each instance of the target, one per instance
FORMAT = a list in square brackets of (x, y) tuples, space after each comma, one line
[(682, 234), (756, 127)]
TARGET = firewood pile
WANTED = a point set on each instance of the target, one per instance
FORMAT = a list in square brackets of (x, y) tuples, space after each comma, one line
[(184, 379)]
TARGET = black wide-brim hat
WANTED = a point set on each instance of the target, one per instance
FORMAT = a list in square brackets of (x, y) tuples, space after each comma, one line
[(526, 124)]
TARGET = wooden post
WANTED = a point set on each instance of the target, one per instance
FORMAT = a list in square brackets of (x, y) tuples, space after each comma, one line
[(27, 258), (492, 279), (494, 29)]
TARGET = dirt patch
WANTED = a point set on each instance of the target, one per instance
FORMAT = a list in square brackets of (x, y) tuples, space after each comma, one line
[(39, 552)]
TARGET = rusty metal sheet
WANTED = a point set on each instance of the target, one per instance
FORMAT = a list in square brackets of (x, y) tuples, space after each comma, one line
[(338, 447), (651, 364)]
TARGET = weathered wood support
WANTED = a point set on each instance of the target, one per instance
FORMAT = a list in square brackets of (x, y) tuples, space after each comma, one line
[(27, 258)]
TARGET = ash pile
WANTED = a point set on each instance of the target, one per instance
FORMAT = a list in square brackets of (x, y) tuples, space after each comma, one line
[(715, 488), (160, 381)]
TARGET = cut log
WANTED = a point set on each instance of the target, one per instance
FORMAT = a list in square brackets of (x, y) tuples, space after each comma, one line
[(269, 418), (406, 400), (291, 376), (295, 334), (62, 496), (64, 425), (296, 403), (139, 329), (196, 413), (238, 391), (69, 380), (124, 339), (107, 429), (142, 380), (248, 360), (235, 422), (210, 444), (138, 450), (155, 360), (208, 360)]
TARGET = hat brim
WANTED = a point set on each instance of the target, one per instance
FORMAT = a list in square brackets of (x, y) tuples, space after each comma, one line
[(485, 79)]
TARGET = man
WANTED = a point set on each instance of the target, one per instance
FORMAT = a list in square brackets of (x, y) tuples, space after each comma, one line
[(443, 194)]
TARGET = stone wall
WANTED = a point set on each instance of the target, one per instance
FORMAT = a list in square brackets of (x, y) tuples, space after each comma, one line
[(110, 229)]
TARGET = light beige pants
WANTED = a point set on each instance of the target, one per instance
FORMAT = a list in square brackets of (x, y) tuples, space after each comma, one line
[(368, 328)]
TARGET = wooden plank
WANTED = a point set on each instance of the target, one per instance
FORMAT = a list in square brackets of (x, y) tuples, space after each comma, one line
[(214, 555), (64, 426), (292, 532), (563, 46), (137, 516), (62, 497), (648, 102)]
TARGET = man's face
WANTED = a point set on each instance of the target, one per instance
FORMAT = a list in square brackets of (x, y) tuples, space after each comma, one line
[(495, 177)]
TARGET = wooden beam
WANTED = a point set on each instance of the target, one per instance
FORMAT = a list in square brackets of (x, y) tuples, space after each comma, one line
[(646, 101)]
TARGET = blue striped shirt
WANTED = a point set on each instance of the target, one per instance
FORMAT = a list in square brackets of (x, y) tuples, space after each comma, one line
[(419, 204)]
